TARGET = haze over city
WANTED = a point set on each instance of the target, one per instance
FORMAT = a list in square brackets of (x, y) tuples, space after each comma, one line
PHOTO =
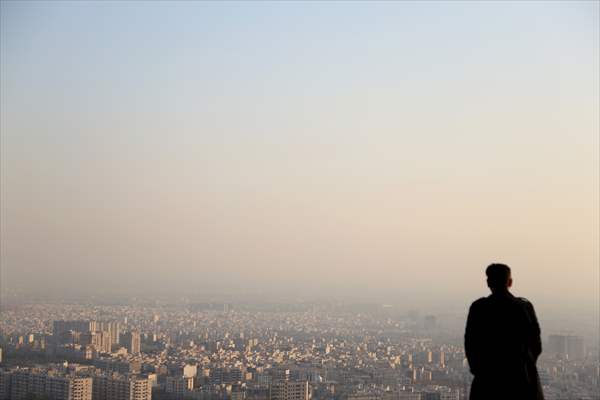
[(382, 152), (307, 200)]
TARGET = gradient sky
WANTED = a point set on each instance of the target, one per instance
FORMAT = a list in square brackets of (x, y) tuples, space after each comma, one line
[(377, 150)]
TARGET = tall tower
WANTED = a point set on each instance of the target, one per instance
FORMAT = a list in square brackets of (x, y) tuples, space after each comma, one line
[(133, 342)]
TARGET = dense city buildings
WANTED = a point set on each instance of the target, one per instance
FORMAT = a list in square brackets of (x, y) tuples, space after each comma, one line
[(25, 384), (255, 352), (288, 390), (71, 382)]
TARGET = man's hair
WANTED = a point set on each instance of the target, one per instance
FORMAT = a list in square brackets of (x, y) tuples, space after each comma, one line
[(497, 275)]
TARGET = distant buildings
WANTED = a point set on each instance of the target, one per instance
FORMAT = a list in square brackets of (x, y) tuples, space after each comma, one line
[(566, 346), (113, 328), (101, 335), (100, 340), (246, 355), (61, 327)]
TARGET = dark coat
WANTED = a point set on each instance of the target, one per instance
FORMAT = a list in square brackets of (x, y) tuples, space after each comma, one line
[(502, 344)]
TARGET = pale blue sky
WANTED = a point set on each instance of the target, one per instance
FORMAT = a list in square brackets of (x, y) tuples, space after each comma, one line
[(280, 146)]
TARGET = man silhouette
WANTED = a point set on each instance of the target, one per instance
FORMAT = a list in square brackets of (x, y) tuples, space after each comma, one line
[(502, 343)]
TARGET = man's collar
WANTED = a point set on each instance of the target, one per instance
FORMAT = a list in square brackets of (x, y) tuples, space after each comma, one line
[(502, 293)]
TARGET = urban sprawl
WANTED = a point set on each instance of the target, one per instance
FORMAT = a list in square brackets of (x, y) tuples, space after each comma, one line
[(219, 351)]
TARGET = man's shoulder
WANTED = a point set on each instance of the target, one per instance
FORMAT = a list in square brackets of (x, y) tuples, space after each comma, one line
[(523, 299), (524, 302), (480, 302)]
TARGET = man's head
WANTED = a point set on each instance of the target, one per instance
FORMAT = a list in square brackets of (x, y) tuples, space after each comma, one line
[(498, 277)]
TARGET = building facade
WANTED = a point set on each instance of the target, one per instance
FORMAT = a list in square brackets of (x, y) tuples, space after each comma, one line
[(24, 383), (289, 390), (119, 387)]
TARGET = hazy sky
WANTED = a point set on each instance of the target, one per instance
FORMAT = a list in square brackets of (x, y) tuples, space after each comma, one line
[(376, 150)]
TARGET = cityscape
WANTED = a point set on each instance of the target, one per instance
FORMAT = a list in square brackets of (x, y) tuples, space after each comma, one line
[(300, 200), (226, 351)]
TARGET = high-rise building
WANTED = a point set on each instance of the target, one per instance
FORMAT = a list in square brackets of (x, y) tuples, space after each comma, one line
[(115, 332), (4, 385), (68, 388), (105, 342), (288, 390), (113, 328), (19, 385), (100, 340), (439, 357), (132, 341), (24, 384), (119, 387)]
